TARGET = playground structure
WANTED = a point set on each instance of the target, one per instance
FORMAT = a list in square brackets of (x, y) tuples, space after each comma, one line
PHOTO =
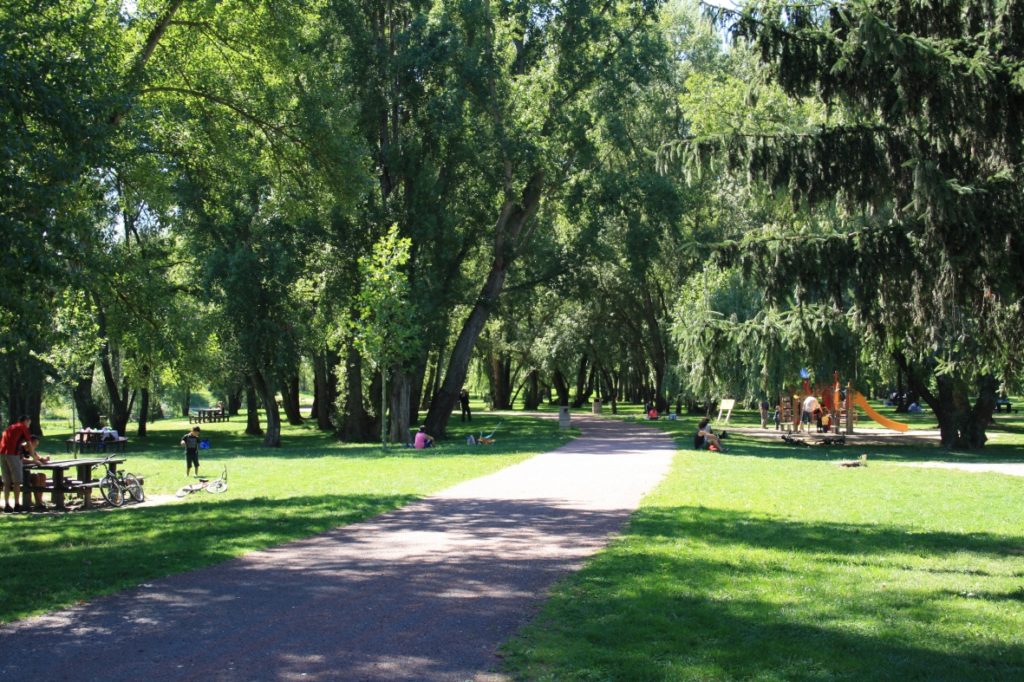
[(842, 409)]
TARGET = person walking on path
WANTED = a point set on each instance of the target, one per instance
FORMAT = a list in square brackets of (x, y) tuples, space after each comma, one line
[(190, 441), (15, 437), (764, 412), (467, 415)]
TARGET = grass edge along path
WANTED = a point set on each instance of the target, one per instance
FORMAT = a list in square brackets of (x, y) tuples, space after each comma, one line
[(310, 485), (773, 564)]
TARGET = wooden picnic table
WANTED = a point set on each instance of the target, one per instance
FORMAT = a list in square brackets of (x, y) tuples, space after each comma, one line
[(96, 441), (60, 484), (208, 414)]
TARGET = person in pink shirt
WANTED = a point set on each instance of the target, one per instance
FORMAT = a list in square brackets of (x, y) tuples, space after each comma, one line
[(423, 439)]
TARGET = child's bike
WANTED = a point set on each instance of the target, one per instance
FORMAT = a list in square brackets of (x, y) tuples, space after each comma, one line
[(117, 486), (215, 485)]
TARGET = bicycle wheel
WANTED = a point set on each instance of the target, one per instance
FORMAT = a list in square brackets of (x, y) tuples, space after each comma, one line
[(134, 486), (217, 486), (111, 491), (188, 489)]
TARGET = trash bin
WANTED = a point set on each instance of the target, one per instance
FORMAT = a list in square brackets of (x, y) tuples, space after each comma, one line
[(597, 407), (563, 417)]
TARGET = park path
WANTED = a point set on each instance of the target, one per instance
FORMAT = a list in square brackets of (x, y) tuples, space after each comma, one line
[(426, 592)]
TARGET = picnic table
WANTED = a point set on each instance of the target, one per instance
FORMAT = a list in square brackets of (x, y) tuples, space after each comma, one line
[(60, 483), (97, 441), (1003, 403), (208, 414)]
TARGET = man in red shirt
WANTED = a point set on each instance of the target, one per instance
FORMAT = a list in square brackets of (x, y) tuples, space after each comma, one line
[(10, 460)]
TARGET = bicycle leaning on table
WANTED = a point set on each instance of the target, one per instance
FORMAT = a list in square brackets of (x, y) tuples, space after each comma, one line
[(215, 485), (117, 486)]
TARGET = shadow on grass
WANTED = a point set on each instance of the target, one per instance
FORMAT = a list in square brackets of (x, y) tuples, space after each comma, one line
[(53, 561), (659, 607), (720, 527)]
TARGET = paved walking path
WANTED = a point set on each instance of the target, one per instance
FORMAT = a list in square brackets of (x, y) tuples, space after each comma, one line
[(1008, 468), (427, 592)]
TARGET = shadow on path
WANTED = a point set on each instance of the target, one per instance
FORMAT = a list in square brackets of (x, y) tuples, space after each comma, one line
[(426, 592)]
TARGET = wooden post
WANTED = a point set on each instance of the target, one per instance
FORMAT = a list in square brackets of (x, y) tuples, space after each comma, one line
[(849, 408)]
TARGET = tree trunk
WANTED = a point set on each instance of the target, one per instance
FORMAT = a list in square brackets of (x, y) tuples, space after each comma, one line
[(186, 402), (235, 401), (431, 385), (290, 398), (25, 379), (401, 399), (511, 221), (323, 380), (252, 413), (358, 423), (960, 425), (561, 388), (444, 400), (531, 396), (980, 416), (88, 412), (143, 413), (498, 376), (656, 350), (268, 395), (581, 380), (118, 396), (416, 395)]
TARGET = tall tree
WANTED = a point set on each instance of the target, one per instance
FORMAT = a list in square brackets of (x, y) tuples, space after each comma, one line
[(921, 155)]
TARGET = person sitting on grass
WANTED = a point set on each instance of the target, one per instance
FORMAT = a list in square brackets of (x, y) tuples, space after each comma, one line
[(706, 438), (423, 439)]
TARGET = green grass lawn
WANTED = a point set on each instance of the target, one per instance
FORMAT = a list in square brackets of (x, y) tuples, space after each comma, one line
[(772, 563), (311, 484)]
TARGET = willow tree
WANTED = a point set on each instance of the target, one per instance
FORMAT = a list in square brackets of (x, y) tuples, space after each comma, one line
[(920, 160)]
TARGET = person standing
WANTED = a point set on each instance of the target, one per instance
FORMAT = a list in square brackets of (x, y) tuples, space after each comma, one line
[(764, 412), (10, 460), (467, 414), (811, 405), (190, 441)]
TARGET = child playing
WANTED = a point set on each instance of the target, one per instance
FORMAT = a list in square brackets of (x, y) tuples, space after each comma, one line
[(190, 441)]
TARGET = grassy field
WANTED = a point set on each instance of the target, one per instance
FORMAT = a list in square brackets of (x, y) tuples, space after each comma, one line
[(772, 563), (309, 485)]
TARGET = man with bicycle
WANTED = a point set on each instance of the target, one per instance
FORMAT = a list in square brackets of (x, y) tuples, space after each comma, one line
[(190, 441)]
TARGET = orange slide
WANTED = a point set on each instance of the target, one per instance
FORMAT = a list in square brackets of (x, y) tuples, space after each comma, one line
[(862, 402)]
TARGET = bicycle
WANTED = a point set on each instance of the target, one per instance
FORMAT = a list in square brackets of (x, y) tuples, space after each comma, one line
[(213, 486), (116, 486)]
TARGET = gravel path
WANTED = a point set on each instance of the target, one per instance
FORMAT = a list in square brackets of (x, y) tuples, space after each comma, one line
[(427, 592), (1010, 469)]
